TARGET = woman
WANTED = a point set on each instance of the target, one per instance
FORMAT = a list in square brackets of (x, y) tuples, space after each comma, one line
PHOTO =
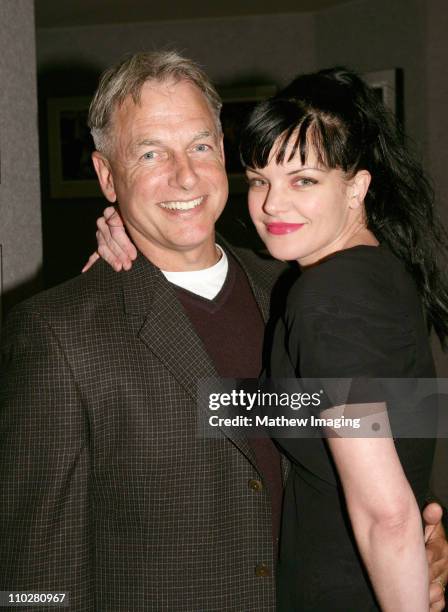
[(332, 187)]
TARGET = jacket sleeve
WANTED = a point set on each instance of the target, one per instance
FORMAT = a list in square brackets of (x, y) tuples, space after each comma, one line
[(45, 467)]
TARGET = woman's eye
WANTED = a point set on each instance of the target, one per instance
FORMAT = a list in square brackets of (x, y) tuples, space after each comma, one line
[(256, 182), (306, 182)]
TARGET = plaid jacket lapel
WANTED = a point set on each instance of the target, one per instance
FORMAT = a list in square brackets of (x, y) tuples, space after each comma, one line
[(166, 329), (168, 333)]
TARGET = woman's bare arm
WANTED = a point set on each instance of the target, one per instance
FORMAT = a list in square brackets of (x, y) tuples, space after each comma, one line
[(386, 521)]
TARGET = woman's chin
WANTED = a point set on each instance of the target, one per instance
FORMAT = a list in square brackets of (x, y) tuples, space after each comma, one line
[(282, 253)]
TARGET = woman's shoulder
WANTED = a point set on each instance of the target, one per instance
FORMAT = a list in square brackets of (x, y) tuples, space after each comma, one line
[(356, 312), (360, 274)]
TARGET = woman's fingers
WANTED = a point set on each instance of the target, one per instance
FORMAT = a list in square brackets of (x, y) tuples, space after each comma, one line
[(114, 245), (92, 259)]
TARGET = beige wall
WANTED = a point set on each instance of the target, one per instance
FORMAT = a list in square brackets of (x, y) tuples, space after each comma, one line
[(20, 215), (270, 48), (436, 93), (377, 35)]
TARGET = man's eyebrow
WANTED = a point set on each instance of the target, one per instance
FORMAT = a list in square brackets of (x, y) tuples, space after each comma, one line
[(148, 142), (204, 134)]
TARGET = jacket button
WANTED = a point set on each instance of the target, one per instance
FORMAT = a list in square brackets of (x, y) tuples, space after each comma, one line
[(255, 484), (262, 570)]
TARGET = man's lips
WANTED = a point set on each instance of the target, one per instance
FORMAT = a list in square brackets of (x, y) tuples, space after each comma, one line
[(283, 228), (182, 205)]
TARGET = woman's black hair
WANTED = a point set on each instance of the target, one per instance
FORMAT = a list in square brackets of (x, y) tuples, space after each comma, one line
[(351, 129)]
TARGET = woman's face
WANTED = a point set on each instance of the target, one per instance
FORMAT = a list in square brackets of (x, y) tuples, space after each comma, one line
[(305, 212)]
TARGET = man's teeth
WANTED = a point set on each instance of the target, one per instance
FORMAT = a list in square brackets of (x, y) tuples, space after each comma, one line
[(182, 205)]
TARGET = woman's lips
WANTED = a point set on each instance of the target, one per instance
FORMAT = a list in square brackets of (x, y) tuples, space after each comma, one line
[(283, 228)]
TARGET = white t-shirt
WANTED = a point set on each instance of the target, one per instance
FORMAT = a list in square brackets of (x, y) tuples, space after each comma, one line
[(206, 283)]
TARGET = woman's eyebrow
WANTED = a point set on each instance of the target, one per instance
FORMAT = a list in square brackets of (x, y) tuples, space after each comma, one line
[(305, 168)]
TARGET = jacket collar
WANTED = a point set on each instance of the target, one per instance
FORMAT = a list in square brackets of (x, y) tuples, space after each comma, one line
[(165, 327), (261, 292), (166, 330)]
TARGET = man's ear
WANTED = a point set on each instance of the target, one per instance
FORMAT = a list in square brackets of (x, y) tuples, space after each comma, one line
[(104, 173), (221, 148), (359, 187)]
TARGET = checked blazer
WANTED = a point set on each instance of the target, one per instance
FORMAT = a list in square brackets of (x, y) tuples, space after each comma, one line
[(106, 491)]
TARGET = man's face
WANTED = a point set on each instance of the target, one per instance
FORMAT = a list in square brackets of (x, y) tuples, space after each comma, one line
[(166, 170)]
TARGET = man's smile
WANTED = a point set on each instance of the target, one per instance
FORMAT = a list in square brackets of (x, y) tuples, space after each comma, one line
[(182, 205)]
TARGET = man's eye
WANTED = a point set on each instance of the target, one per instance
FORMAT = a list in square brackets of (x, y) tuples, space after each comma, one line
[(202, 148), (150, 155)]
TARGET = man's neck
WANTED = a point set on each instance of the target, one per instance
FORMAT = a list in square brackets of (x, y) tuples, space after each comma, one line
[(201, 257)]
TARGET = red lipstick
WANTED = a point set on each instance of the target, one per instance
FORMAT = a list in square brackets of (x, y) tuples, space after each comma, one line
[(283, 228)]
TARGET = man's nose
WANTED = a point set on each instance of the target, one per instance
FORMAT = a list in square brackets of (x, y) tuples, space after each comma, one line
[(183, 174)]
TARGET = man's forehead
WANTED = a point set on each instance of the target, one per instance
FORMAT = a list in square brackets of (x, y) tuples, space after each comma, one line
[(165, 108), (169, 111), (168, 91)]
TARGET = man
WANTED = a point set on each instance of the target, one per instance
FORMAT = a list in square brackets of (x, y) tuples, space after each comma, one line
[(108, 491)]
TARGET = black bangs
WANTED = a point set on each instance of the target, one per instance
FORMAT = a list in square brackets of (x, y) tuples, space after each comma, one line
[(278, 122), (270, 120)]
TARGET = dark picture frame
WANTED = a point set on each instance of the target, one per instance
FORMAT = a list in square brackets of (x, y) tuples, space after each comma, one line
[(388, 85), (69, 149), (238, 102), (70, 144)]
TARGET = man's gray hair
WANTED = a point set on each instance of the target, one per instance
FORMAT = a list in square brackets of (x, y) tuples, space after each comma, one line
[(127, 79)]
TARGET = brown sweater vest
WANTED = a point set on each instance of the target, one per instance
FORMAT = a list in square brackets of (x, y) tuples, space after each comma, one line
[(231, 328)]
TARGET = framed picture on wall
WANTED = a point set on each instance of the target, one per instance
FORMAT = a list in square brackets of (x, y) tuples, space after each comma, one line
[(238, 102), (69, 149), (388, 85)]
